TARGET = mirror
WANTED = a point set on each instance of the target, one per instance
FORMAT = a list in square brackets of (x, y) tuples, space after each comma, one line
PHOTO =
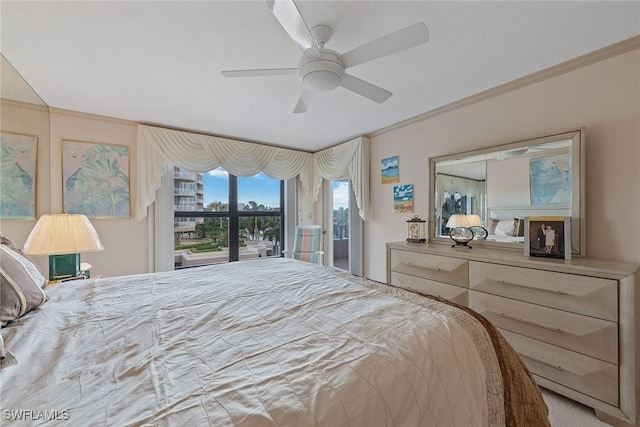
[(24, 143), (14, 87), (506, 183)]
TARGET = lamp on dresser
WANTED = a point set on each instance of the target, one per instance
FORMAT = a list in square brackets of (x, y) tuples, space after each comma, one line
[(63, 237), (475, 225)]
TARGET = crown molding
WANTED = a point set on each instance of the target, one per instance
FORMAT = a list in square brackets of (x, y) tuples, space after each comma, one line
[(73, 113), (590, 58), (21, 104)]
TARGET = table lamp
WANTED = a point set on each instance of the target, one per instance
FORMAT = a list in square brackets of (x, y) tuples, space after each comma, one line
[(475, 225), (63, 237)]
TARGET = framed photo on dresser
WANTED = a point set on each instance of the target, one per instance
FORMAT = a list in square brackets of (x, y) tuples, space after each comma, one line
[(547, 236)]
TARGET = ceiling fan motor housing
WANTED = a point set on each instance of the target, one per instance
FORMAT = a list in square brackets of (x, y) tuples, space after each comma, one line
[(321, 73)]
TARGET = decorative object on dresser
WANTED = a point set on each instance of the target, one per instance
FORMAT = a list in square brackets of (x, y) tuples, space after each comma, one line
[(416, 232), (573, 322), (547, 236), (475, 225), (63, 237), (459, 231)]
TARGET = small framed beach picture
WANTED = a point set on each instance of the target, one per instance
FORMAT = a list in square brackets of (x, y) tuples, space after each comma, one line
[(389, 170), (403, 198), (547, 236)]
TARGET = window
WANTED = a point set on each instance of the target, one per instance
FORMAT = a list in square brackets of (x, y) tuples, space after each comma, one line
[(219, 217)]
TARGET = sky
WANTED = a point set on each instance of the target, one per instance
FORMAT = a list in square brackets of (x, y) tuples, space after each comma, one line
[(259, 188)]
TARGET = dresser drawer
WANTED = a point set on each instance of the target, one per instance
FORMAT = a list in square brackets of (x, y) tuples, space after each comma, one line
[(579, 294), (582, 373), (429, 287), (441, 269), (587, 335)]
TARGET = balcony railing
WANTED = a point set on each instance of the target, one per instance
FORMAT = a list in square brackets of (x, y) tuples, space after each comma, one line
[(190, 176), (184, 207), (184, 225), (184, 192)]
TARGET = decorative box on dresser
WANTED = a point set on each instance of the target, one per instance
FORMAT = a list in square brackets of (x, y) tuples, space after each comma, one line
[(573, 322)]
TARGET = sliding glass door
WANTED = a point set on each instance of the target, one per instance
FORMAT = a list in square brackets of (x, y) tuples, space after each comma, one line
[(344, 243), (340, 230)]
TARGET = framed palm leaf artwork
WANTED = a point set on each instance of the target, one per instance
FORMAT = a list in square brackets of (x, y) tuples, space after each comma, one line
[(96, 179), (18, 161)]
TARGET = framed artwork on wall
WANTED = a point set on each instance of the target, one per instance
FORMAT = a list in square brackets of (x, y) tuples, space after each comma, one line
[(547, 236), (389, 171), (550, 180), (403, 198), (18, 157), (95, 179)]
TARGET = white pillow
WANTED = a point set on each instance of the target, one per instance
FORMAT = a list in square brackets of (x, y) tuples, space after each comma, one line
[(504, 228)]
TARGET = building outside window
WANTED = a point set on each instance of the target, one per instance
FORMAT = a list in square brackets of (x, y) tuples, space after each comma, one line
[(219, 217)]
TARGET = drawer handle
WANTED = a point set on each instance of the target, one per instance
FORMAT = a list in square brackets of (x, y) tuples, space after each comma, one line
[(519, 285), (535, 359), (410, 264), (531, 323)]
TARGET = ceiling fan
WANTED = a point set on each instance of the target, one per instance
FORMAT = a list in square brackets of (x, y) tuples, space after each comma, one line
[(322, 69)]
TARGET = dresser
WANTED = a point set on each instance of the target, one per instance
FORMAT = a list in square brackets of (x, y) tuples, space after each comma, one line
[(573, 322)]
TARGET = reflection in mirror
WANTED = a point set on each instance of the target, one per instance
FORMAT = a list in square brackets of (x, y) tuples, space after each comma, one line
[(24, 143), (14, 87), (506, 183)]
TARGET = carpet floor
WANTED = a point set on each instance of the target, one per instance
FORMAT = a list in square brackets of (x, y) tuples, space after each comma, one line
[(564, 412)]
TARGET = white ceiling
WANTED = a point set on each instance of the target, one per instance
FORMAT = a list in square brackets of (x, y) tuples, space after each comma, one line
[(159, 62)]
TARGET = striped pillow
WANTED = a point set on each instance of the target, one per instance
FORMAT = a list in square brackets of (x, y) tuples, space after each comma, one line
[(21, 284)]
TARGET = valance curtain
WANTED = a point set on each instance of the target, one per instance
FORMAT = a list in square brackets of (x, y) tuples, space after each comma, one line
[(454, 184), (201, 153), (348, 159)]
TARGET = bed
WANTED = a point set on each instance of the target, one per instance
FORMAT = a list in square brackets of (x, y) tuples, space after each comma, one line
[(268, 342)]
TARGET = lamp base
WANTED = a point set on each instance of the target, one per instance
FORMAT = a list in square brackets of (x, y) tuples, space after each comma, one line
[(461, 244), (461, 236), (64, 266)]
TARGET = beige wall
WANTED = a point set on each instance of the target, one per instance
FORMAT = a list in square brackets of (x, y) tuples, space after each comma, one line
[(125, 240), (29, 119), (604, 97)]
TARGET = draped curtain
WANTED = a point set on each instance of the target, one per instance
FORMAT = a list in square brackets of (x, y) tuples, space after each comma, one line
[(348, 159), (463, 186), (201, 153)]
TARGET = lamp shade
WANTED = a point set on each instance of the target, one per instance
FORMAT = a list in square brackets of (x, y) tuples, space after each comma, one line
[(62, 234), (458, 220), (474, 220)]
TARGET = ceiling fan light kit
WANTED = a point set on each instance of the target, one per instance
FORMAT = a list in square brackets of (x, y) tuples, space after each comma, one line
[(322, 70), (321, 74)]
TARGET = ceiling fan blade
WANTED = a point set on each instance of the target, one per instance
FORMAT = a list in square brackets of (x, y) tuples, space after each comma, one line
[(303, 103), (366, 89), (287, 13), (411, 36), (260, 72)]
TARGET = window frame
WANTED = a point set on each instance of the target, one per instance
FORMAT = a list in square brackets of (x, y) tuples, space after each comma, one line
[(234, 215)]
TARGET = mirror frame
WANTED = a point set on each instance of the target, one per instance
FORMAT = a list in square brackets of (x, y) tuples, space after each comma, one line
[(578, 229)]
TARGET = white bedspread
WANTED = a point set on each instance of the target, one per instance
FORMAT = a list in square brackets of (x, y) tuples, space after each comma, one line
[(271, 342)]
